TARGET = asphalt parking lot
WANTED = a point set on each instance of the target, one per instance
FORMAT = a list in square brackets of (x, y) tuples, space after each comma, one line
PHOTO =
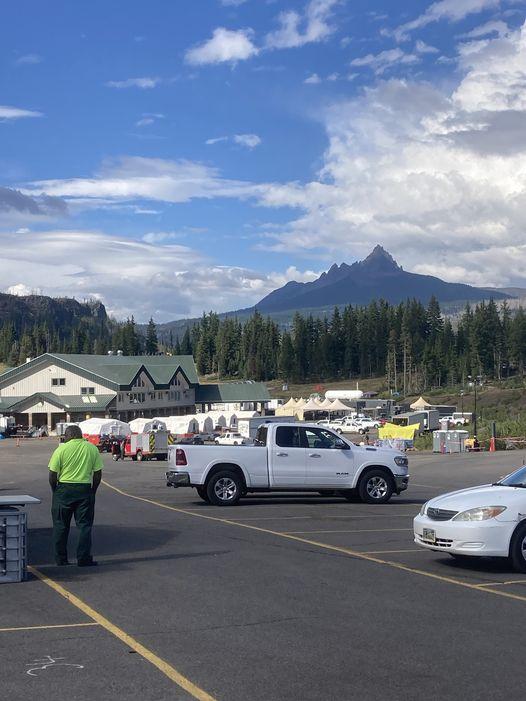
[(280, 597)]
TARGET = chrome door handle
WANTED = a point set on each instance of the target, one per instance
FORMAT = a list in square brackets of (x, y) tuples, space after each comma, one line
[(282, 455), (314, 455)]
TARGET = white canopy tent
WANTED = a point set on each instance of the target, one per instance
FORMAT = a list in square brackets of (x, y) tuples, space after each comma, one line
[(206, 424), (104, 427), (218, 418), (326, 405), (143, 425), (311, 405), (338, 406), (181, 424), (420, 404)]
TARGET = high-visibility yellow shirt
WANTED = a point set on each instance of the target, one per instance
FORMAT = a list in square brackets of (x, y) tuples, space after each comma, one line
[(75, 461)]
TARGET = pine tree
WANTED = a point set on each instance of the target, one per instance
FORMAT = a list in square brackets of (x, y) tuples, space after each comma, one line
[(151, 345)]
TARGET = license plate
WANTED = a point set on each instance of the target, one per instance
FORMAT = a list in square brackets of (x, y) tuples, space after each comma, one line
[(429, 535)]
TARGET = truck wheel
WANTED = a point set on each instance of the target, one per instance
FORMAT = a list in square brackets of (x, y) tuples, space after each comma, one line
[(518, 548), (375, 487), (140, 456), (224, 488), (203, 494)]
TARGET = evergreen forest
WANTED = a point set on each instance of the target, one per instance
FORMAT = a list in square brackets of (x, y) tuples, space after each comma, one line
[(410, 344)]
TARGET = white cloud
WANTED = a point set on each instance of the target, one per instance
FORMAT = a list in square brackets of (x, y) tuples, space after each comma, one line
[(439, 178), (28, 60), (148, 118), (131, 277), (449, 10), (142, 83), (216, 140), (130, 179), (20, 290), (7, 112), (225, 46), (249, 141), (313, 79), (493, 27), (379, 63), (297, 29), (422, 48)]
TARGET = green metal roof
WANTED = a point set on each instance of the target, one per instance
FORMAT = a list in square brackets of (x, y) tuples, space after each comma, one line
[(232, 392), (67, 403), (114, 371), (7, 402)]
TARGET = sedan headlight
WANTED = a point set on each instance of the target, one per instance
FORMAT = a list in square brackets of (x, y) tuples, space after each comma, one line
[(422, 511), (401, 461), (480, 513)]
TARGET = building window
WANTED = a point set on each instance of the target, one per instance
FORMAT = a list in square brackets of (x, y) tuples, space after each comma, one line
[(87, 390), (58, 381)]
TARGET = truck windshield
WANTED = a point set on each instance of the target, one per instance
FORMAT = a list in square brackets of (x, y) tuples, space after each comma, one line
[(261, 436)]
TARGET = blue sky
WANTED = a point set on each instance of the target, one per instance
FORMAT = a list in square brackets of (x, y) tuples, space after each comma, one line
[(171, 157)]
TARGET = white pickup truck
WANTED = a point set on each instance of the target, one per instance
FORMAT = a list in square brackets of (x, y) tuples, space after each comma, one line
[(293, 457)]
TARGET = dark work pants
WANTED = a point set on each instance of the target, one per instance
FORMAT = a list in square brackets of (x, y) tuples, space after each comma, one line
[(72, 500)]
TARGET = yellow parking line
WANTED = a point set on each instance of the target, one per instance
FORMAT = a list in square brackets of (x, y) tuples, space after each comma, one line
[(363, 530), (128, 640), (61, 625), (333, 548)]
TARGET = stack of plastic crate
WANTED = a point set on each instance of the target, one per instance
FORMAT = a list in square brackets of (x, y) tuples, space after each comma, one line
[(13, 545)]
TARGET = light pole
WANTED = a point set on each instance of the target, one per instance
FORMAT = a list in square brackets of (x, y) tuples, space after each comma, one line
[(473, 383), (462, 402)]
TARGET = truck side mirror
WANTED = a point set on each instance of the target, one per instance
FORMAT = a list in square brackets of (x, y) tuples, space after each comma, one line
[(341, 445)]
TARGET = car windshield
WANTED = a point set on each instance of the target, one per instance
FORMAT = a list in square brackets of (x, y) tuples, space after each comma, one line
[(515, 479)]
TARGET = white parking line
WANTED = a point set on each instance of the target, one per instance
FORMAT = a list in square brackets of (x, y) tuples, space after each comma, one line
[(363, 530)]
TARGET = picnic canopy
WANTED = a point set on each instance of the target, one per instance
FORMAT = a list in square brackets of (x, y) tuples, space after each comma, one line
[(312, 405), (338, 405), (420, 404), (326, 404), (288, 406)]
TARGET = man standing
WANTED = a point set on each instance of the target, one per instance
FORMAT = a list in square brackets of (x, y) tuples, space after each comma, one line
[(75, 472)]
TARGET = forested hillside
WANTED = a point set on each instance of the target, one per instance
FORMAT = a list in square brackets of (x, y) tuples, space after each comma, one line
[(410, 344), (30, 326)]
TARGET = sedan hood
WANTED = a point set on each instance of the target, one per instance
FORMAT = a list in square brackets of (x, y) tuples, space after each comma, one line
[(485, 495)]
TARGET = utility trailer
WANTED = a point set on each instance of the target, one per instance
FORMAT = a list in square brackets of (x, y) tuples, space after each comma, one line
[(152, 445)]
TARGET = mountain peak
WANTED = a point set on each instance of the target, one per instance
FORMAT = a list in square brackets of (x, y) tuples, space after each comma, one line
[(379, 260)]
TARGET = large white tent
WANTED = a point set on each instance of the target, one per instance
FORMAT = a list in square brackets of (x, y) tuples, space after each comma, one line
[(218, 418), (179, 425), (206, 424), (143, 425), (104, 427)]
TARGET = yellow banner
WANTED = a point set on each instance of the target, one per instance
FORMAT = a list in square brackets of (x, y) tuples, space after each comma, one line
[(394, 431)]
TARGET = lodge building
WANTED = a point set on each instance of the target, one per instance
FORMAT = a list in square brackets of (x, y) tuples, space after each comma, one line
[(72, 387)]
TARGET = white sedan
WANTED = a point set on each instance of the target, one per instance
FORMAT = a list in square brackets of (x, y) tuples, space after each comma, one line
[(485, 521)]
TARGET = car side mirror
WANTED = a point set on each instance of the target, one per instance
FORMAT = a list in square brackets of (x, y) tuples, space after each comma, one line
[(341, 445)]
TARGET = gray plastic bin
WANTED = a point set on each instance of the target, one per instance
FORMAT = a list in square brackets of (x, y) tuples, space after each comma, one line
[(13, 545)]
